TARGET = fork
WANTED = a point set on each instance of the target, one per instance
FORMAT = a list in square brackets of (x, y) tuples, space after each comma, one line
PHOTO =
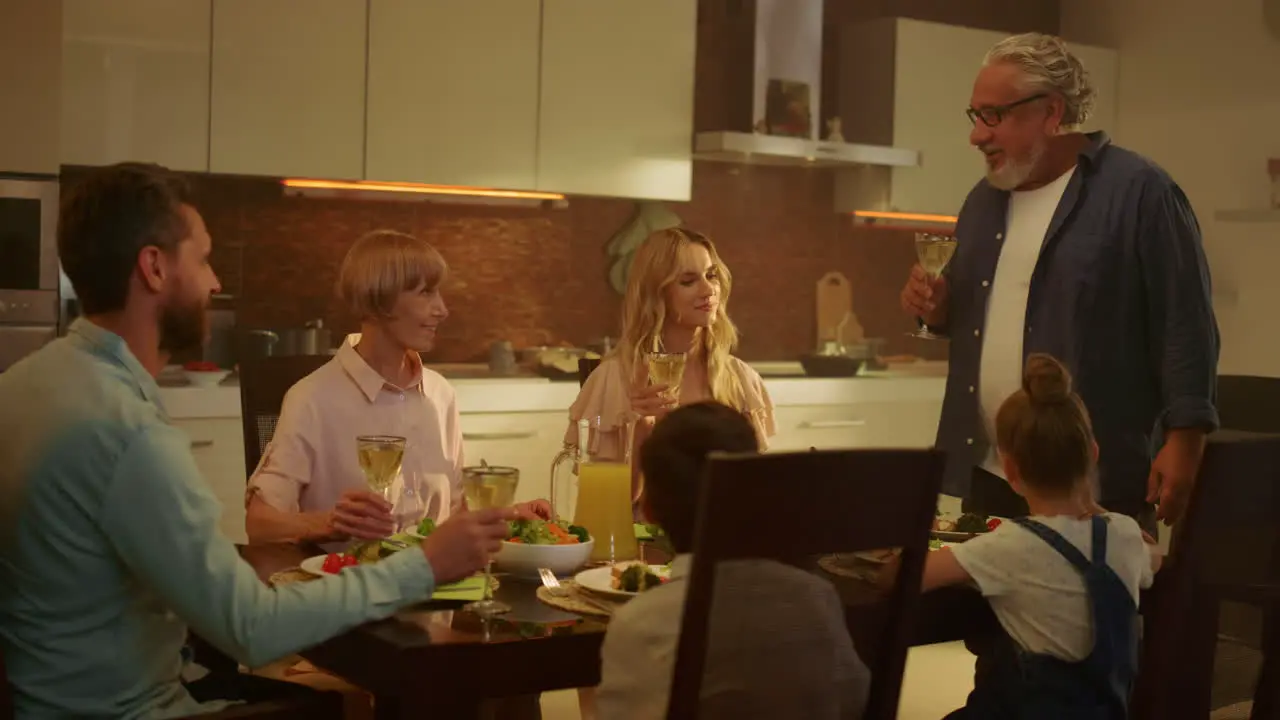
[(553, 586)]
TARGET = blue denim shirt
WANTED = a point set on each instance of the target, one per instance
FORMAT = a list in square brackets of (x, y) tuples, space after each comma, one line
[(1120, 294)]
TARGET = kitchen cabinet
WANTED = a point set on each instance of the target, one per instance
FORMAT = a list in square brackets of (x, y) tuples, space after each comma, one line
[(288, 88), (217, 445), (906, 83), (135, 82), (528, 441), (616, 110), (850, 426), (453, 92), (30, 66)]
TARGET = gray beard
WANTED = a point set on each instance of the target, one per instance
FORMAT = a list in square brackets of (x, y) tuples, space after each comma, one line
[(1015, 172)]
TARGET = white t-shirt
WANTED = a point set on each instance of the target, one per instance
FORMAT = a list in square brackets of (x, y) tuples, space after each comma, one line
[(1000, 370), (1037, 594)]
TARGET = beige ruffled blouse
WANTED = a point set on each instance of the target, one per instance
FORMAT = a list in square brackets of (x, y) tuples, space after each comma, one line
[(606, 395)]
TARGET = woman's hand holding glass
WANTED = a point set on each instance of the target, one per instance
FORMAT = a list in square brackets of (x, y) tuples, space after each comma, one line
[(363, 515)]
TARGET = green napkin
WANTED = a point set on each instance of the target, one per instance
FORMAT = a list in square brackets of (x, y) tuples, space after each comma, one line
[(642, 532), (468, 590)]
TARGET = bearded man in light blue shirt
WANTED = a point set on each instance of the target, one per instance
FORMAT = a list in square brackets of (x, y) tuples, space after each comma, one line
[(109, 541)]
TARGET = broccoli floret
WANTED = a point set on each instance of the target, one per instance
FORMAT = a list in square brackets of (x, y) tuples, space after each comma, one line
[(426, 527), (971, 523), (579, 532)]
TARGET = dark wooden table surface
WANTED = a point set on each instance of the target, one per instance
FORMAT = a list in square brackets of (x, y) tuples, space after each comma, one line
[(434, 660)]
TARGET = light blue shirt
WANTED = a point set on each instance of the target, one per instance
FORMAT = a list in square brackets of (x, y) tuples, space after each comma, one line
[(109, 547)]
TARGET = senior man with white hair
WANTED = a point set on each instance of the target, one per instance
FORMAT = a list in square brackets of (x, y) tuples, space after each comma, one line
[(1078, 248)]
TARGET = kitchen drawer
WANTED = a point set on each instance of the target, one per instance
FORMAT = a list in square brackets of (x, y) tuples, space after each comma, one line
[(861, 425), (527, 441), (218, 448)]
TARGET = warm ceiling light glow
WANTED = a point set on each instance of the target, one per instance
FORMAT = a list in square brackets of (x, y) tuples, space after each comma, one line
[(909, 217), (372, 186)]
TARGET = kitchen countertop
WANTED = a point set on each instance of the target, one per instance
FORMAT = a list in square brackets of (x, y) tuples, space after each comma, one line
[(918, 382)]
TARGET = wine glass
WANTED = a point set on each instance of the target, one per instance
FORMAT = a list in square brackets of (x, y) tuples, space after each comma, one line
[(485, 487), (380, 458), (667, 369), (411, 506), (934, 252)]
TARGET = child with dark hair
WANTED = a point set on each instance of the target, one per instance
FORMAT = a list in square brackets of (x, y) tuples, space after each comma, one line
[(1063, 582), (778, 642)]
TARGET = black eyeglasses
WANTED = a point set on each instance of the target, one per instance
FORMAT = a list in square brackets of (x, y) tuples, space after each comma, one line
[(992, 115)]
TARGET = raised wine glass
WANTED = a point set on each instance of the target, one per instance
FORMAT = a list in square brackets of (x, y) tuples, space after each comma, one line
[(485, 487), (934, 252)]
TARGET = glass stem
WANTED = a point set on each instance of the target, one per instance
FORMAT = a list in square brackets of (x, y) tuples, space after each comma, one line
[(488, 583)]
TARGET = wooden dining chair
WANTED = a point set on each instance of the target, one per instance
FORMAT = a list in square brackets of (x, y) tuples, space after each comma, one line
[(6, 693), (263, 384), (793, 506), (1225, 550), (585, 367)]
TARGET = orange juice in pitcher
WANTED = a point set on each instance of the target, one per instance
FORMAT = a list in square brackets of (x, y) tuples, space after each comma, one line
[(591, 483)]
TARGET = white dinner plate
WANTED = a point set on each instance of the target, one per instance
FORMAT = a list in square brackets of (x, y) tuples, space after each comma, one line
[(600, 581), (314, 565)]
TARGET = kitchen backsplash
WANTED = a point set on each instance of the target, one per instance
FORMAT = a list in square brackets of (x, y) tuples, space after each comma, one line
[(535, 276)]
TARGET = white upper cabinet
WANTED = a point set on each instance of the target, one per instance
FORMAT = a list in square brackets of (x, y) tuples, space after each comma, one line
[(135, 82), (907, 83), (453, 92), (288, 90), (616, 115), (30, 62)]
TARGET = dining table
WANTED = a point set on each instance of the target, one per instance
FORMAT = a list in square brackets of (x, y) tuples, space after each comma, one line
[(436, 660)]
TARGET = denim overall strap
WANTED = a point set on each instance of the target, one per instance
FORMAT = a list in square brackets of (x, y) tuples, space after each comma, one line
[(1066, 549)]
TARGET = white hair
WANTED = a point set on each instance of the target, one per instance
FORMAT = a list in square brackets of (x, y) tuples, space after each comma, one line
[(1049, 67)]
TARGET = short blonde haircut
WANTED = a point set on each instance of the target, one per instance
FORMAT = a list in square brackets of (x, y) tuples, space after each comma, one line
[(381, 265)]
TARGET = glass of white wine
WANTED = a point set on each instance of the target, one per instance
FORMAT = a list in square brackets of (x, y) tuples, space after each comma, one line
[(485, 487), (380, 459), (667, 369), (934, 252)]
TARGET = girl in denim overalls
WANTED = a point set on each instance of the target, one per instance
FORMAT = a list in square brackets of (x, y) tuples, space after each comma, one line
[(1064, 581)]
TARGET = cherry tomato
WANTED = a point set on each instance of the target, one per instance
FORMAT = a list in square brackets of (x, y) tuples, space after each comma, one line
[(332, 563), (993, 523), (350, 561)]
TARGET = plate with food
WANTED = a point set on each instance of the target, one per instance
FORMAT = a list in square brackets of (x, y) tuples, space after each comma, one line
[(966, 527), (533, 543), (622, 580), (363, 553)]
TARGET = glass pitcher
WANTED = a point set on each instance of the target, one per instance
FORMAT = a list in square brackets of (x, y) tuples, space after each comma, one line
[(591, 486)]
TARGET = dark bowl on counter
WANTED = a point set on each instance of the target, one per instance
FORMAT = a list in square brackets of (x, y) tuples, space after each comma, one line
[(830, 366)]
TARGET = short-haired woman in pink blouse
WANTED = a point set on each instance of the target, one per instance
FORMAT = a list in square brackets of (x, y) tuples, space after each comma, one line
[(677, 298), (308, 485)]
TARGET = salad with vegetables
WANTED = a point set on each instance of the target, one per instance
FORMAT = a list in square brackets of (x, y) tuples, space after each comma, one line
[(635, 577), (367, 552), (969, 522), (533, 531)]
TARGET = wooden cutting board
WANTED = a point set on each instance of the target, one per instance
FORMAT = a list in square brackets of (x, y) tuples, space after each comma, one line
[(835, 300)]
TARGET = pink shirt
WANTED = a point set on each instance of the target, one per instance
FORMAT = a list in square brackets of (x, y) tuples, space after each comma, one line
[(311, 459)]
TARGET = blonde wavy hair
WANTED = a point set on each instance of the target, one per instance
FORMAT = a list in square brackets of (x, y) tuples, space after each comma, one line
[(644, 311)]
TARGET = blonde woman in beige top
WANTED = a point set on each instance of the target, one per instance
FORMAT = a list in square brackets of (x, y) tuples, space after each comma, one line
[(308, 485), (677, 299)]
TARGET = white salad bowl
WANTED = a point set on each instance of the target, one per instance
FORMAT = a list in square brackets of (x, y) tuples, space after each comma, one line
[(523, 560)]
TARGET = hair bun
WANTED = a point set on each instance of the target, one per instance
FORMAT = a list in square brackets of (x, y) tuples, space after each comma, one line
[(1045, 380)]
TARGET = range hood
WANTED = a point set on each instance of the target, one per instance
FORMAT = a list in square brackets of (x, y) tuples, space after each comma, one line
[(762, 149), (787, 125)]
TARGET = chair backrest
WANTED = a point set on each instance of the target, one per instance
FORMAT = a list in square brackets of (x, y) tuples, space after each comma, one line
[(1227, 547), (6, 694), (1249, 402), (263, 384), (788, 506), (585, 367)]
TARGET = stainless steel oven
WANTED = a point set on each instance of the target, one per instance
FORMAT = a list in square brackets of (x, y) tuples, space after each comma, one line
[(29, 302)]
